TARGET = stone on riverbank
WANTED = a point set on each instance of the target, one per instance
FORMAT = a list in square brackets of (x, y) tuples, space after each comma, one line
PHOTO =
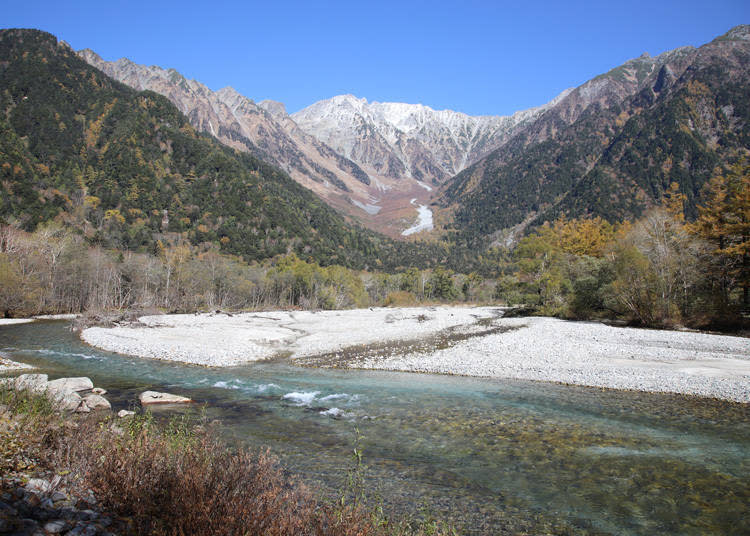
[(96, 402), (64, 392), (36, 383), (154, 397), (70, 384)]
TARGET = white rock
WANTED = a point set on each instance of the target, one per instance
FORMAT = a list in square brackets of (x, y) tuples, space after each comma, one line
[(36, 383), (68, 401), (125, 413), (38, 485), (70, 384), (99, 391), (154, 397), (96, 402)]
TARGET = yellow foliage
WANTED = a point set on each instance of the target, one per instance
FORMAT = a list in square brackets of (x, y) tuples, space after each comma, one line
[(114, 215), (92, 201), (584, 236)]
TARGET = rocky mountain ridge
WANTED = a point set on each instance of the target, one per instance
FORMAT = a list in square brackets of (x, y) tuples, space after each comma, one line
[(235, 120), (400, 140), (613, 145), (386, 157)]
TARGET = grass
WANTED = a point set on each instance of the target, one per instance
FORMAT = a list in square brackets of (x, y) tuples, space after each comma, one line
[(178, 478)]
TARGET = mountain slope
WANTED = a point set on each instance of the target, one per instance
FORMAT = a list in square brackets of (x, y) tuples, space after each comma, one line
[(612, 146), (128, 169), (239, 122)]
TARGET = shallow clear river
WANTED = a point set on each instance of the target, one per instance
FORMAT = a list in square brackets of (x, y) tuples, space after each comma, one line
[(494, 457)]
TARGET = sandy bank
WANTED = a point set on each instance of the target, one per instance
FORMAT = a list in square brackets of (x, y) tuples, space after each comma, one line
[(11, 321)]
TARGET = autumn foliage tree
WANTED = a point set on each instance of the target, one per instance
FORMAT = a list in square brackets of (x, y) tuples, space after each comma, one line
[(724, 222)]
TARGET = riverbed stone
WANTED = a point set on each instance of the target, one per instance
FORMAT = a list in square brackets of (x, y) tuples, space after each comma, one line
[(38, 485), (155, 397), (125, 413), (99, 391), (96, 402), (56, 526)]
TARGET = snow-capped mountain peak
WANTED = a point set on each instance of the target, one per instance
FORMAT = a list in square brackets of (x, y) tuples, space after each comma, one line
[(401, 140)]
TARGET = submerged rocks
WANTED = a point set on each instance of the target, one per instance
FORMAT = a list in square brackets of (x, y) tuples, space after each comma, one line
[(154, 397)]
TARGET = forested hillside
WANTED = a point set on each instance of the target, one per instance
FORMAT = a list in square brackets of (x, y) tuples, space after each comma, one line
[(127, 170), (690, 114)]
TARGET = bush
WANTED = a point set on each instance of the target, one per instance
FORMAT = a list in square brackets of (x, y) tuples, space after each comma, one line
[(400, 298)]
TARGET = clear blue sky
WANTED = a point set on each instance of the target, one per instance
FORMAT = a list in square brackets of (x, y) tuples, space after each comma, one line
[(475, 57)]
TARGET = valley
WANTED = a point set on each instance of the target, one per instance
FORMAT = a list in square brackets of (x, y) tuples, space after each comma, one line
[(440, 323)]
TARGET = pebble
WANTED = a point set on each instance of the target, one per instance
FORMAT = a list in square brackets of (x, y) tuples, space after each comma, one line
[(55, 527)]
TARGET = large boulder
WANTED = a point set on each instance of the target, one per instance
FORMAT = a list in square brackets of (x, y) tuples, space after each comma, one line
[(70, 385), (154, 397), (36, 383)]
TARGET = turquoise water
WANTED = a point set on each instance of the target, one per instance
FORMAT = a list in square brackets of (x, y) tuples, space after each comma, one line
[(492, 456)]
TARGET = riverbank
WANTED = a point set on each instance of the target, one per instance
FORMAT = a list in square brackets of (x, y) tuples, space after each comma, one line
[(62, 472), (450, 340)]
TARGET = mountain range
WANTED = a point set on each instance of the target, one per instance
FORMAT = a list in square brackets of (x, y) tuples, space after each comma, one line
[(609, 148), (612, 146), (369, 160)]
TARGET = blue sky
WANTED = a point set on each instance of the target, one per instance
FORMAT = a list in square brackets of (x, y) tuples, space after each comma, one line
[(475, 57)]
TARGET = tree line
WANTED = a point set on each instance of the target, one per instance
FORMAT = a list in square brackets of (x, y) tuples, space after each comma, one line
[(660, 271), (55, 270)]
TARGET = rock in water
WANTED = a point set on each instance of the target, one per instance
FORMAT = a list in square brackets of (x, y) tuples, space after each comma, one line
[(125, 413), (97, 402), (99, 391), (153, 397), (70, 384)]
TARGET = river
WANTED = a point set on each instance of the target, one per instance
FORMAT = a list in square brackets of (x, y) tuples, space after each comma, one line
[(492, 456)]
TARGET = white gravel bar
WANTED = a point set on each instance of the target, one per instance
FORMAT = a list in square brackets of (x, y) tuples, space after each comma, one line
[(11, 321), (594, 354), (221, 340), (7, 365), (543, 349)]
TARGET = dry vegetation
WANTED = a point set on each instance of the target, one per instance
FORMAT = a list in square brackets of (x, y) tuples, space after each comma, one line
[(177, 478)]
